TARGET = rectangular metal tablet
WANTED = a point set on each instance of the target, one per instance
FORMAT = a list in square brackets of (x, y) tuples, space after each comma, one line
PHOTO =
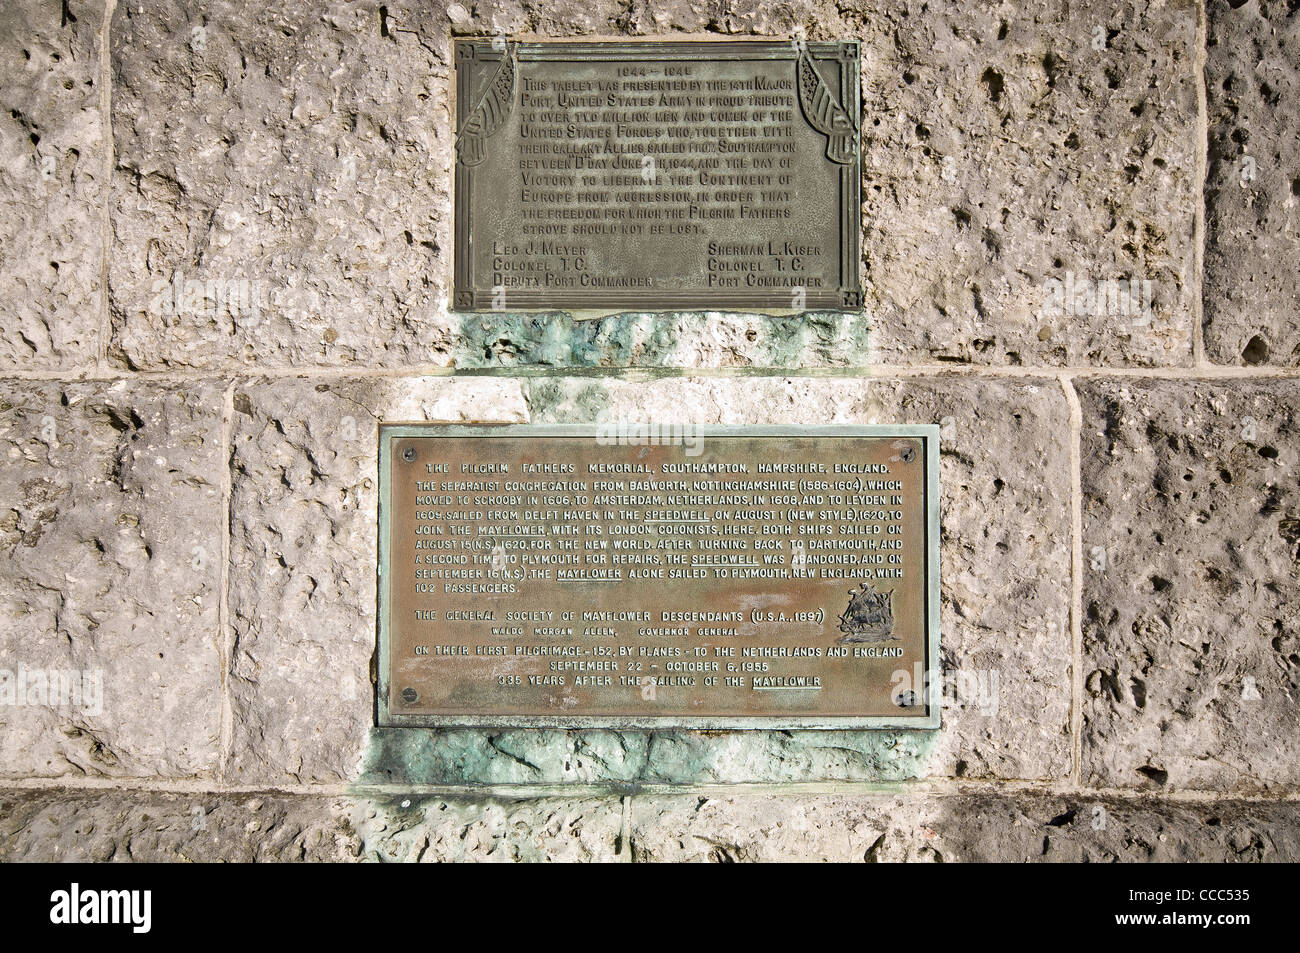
[(657, 176), (631, 575)]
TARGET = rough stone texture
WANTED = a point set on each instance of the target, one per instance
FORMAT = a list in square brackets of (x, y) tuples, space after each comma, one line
[(1252, 288), (110, 562), (1005, 572), (51, 183), (561, 18), (998, 828), (303, 556), (434, 828), (1191, 644), (151, 827), (208, 827), (222, 176), (301, 155), (305, 147), (1061, 159)]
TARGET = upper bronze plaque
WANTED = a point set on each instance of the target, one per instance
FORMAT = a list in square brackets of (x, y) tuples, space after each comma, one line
[(657, 176), (642, 575)]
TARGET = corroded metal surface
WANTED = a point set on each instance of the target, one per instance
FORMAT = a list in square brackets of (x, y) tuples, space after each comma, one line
[(599, 176), (631, 575)]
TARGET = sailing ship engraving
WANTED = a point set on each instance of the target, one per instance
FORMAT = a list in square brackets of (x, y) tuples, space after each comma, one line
[(869, 616)]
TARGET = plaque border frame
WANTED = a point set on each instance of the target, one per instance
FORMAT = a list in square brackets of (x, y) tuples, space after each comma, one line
[(931, 719), (846, 297)]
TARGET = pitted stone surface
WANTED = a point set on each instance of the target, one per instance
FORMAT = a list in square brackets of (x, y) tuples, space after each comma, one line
[(981, 828), (207, 827), (303, 556), (1001, 151), (1004, 487), (280, 199), (563, 18), (981, 187), (1004, 148), (1191, 547), (1252, 192), (110, 569), (430, 828), (298, 155), (52, 142)]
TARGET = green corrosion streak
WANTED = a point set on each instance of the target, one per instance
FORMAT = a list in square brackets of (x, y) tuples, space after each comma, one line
[(630, 759), (634, 339)]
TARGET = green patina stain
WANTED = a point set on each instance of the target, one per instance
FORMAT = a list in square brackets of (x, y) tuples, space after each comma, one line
[(628, 759), (633, 339)]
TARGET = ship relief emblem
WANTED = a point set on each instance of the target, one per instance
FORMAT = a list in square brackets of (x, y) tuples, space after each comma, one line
[(869, 616)]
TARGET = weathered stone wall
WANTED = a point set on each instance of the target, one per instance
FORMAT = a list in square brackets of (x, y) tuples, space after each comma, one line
[(187, 500)]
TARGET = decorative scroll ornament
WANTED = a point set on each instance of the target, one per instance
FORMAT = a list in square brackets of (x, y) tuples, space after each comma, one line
[(489, 113), (825, 114)]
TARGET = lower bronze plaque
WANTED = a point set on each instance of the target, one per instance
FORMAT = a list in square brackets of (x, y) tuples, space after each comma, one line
[(657, 176), (640, 575)]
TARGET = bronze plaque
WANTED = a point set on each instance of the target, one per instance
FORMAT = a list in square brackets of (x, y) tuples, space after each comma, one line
[(640, 575), (657, 176)]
